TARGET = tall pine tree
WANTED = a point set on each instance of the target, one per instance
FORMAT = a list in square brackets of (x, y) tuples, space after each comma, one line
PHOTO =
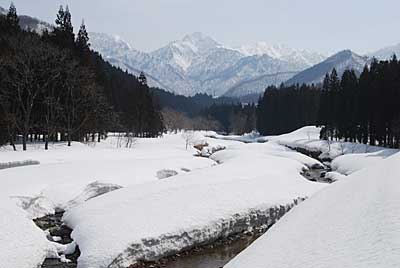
[(82, 40), (12, 17), (64, 31), (60, 18)]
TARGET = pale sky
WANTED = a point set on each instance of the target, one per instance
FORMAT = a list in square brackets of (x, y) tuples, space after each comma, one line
[(319, 25)]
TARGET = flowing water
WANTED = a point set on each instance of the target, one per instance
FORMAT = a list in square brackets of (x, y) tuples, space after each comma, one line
[(215, 257)]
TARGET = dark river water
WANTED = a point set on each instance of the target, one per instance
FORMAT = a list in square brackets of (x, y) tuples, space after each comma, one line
[(212, 257)]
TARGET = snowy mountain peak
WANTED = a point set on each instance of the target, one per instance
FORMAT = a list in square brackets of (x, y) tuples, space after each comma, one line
[(261, 48), (182, 53), (386, 53), (109, 42), (302, 58), (348, 57), (341, 61), (199, 39)]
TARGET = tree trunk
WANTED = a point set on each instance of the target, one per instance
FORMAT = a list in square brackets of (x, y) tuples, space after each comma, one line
[(69, 139), (46, 144), (24, 138), (99, 137), (12, 143)]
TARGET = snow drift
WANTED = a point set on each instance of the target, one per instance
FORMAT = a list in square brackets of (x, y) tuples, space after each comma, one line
[(23, 245), (353, 223)]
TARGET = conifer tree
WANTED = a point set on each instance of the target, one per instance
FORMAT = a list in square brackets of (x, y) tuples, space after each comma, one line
[(64, 31), (82, 40), (60, 18), (143, 79), (68, 28), (12, 17)]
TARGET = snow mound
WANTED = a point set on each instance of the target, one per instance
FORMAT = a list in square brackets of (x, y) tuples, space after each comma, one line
[(353, 223), (307, 138), (149, 221), (350, 163), (92, 190), (23, 245)]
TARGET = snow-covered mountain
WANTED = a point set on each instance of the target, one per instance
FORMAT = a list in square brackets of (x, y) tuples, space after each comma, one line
[(30, 23), (199, 64), (182, 53), (253, 86), (282, 52), (341, 61), (386, 53)]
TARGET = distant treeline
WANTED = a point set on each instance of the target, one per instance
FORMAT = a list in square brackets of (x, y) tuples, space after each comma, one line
[(361, 109), (53, 86), (233, 118), (284, 109)]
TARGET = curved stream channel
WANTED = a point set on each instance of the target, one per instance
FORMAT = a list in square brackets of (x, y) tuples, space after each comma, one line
[(215, 255)]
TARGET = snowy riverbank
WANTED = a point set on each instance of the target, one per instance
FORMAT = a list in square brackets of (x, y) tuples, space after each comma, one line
[(124, 206), (353, 223)]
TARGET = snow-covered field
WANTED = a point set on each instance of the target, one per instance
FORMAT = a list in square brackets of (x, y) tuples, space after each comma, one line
[(145, 216), (157, 198)]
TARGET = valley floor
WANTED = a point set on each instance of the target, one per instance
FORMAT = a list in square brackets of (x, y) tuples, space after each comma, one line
[(156, 199)]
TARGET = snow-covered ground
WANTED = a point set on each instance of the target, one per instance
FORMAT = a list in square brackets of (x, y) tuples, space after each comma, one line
[(140, 215), (68, 176), (157, 198), (346, 157), (152, 220), (308, 138), (353, 223)]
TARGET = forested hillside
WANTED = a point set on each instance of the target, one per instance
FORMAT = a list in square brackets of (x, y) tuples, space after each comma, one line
[(53, 87)]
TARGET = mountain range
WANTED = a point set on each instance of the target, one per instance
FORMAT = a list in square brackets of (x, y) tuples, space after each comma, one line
[(199, 64)]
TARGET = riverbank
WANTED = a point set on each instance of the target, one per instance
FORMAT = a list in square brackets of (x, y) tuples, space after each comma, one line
[(121, 198)]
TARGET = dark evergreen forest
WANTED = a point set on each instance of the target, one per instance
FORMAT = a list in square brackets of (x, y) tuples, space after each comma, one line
[(361, 109)]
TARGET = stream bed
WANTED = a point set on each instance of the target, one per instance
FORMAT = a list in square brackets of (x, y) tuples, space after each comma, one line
[(55, 228), (214, 257)]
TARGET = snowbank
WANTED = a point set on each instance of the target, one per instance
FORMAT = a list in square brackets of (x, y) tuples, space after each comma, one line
[(246, 138), (68, 176), (350, 163), (307, 138), (14, 164), (148, 221), (23, 245), (353, 223)]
